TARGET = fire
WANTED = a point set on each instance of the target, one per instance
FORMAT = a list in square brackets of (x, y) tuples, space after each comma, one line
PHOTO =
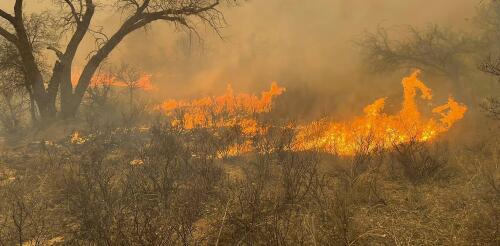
[(76, 138), (376, 129), (222, 111), (143, 82)]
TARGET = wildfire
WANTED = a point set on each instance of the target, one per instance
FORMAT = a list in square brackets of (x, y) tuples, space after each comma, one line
[(376, 129), (222, 111), (143, 82)]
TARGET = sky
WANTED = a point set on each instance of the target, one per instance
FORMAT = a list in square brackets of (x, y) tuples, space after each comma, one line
[(303, 45), (288, 41)]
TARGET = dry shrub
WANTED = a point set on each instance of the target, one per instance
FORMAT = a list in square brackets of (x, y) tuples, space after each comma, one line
[(150, 196), (483, 220), (420, 161), (167, 186)]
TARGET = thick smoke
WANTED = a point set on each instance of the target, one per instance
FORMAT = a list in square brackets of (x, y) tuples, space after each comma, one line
[(306, 46)]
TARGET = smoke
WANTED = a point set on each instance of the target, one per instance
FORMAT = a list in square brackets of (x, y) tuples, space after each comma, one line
[(306, 46)]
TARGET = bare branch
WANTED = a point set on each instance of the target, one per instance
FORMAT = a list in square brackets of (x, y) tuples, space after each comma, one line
[(491, 66), (434, 48), (57, 51), (73, 11), (7, 35), (81, 29), (18, 10), (144, 5), (7, 16)]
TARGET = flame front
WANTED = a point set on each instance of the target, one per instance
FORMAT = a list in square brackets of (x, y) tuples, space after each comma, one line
[(143, 82), (376, 129), (226, 111), (222, 111)]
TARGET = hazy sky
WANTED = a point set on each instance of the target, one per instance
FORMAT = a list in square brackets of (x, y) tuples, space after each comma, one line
[(291, 41), (294, 42)]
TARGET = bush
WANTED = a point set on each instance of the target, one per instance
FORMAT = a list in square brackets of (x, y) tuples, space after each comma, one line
[(420, 161)]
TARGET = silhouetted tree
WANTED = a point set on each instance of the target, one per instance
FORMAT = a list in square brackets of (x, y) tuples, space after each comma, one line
[(77, 21), (488, 22), (488, 19), (14, 78), (434, 49)]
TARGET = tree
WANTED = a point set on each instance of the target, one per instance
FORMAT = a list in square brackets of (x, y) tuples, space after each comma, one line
[(434, 49), (11, 88), (11, 101), (130, 76), (78, 18), (492, 104), (488, 20), (40, 35)]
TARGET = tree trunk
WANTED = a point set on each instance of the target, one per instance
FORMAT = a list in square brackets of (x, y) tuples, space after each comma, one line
[(91, 67), (66, 90), (46, 107), (69, 107), (32, 109)]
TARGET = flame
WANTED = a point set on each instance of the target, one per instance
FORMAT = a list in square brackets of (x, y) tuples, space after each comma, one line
[(376, 129), (225, 111), (144, 82), (76, 138), (222, 111)]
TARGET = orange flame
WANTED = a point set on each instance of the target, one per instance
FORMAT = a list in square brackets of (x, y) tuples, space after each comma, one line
[(144, 82), (378, 129), (222, 111), (375, 129)]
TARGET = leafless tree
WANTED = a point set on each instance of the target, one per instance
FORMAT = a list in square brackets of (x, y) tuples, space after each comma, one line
[(492, 104), (99, 100), (77, 21), (14, 84), (434, 49), (488, 19), (11, 103), (130, 76)]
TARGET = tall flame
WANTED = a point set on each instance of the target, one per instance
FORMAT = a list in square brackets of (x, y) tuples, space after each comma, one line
[(375, 129), (378, 129), (222, 111)]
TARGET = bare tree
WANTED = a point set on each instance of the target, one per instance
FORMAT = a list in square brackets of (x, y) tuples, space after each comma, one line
[(11, 102), (11, 68), (434, 49), (488, 20), (130, 76), (492, 104), (78, 18)]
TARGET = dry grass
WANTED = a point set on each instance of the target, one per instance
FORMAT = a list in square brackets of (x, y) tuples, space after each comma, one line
[(168, 187)]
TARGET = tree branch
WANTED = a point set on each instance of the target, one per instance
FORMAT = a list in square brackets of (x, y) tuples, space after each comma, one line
[(18, 9), (73, 11), (7, 35), (81, 29), (7, 16), (142, 17), (144, 5), (57, 51)]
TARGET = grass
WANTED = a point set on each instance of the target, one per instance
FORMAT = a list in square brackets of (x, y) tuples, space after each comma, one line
[(169, 187)]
